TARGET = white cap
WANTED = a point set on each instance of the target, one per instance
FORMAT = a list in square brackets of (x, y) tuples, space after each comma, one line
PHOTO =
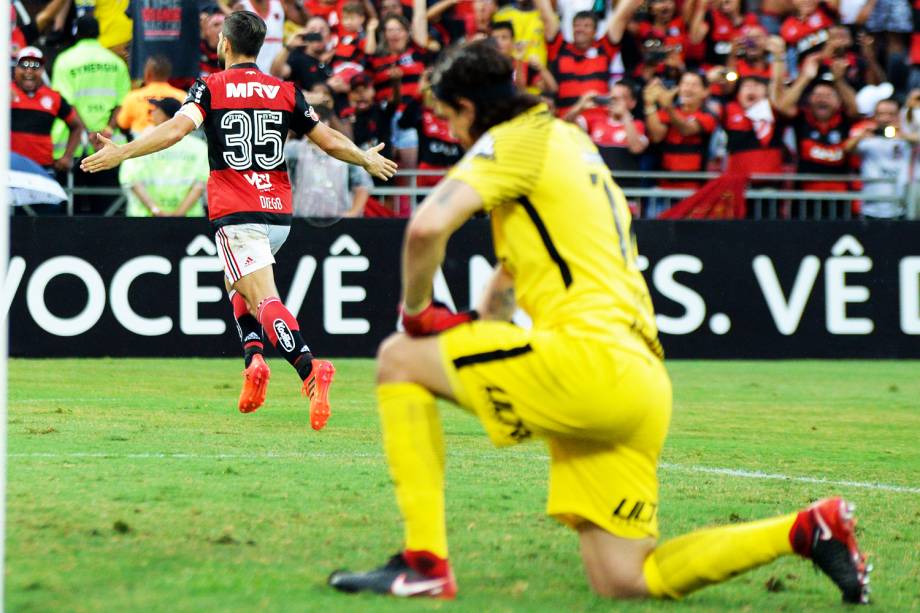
[(30, 52), (870, 95)]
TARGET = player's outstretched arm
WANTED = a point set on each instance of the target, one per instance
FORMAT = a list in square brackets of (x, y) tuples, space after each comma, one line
[(164, 135), (340, 147), (441, 214)]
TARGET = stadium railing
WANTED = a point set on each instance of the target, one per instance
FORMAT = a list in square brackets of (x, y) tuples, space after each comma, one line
[(774, 196)]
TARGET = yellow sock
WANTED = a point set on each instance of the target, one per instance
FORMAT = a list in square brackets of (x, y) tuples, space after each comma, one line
[(414, 445), (712, 555)]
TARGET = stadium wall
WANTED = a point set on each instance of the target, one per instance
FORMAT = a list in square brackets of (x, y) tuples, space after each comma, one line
[(140, 287)]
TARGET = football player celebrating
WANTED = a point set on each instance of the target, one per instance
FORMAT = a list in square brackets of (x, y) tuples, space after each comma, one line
[(588, 378), (246, 117)]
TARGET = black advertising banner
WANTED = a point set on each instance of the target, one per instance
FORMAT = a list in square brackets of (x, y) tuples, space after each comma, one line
[(154, 287)]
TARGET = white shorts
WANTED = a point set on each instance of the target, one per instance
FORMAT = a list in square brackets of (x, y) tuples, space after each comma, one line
[(247, 247)]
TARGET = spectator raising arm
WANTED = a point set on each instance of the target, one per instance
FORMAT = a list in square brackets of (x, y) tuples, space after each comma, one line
[(875, 74), (439, 8), (776, 46), (549, 17), (657, 130), (545, 79), (786, 100), (419, 24), (847, 94), (623, 12), (49, 13)]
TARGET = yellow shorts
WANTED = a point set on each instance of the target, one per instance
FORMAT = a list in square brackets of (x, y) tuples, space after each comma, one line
[(603, 407)]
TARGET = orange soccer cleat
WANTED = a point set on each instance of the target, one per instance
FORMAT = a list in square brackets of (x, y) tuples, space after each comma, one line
[(255, 384), (316, 387)]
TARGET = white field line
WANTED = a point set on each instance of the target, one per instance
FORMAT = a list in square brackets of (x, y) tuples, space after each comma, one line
[(666, 466)]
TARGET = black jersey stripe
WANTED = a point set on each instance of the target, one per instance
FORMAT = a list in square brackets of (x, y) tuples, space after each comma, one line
[(547, 240), (491, 356), (31, 121)]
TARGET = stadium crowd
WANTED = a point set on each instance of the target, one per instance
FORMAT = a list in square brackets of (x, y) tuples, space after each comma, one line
[(738, 86)]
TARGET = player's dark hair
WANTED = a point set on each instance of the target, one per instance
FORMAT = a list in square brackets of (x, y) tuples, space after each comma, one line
[(503, 25), (586, 15), (86, 27), (481, 74), (246, 32), (159, 66)]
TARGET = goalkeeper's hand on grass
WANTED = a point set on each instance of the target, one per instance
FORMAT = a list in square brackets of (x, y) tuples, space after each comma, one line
[(433, 319)]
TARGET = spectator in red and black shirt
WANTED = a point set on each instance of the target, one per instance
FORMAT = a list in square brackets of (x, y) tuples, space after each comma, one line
[(861, 66), (403, 56), (720, 28), (808, 30), (399, 65), (681, 129), (34, 107), (584, 64), (370, 122), (823, 110), (352, 39), (666, 30), (209, 63), (437, 148), (609, 122)]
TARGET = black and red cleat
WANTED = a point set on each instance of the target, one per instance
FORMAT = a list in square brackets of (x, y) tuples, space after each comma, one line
[(398, 578), (825, 533)]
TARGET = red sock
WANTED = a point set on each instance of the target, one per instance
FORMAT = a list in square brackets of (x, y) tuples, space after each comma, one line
[(426, 563), (284, 333), (249, 328)]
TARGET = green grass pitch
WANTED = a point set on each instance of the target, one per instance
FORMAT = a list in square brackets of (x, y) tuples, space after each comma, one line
[(135, 485)]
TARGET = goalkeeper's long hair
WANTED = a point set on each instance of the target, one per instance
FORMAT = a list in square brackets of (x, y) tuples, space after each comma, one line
[(480, 73)]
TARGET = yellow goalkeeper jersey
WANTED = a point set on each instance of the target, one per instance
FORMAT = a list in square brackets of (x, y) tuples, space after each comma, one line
[(561, 227)]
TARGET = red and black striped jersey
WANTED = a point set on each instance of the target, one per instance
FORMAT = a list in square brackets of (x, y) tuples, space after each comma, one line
[(350, 48), (820, 148), (686, 153), (31, 118), (722, 31), (579, 71), (809, 35), (246, 117), (410, 62), (674, 36), (753, 146), (437, 148)]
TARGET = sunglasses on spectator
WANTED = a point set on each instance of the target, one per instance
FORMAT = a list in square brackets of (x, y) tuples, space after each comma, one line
[(33, 64)]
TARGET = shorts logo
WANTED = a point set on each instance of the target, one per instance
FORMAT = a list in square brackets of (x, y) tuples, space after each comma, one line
[(635, 511), (285, 338), (505, 414), (249, 261)]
